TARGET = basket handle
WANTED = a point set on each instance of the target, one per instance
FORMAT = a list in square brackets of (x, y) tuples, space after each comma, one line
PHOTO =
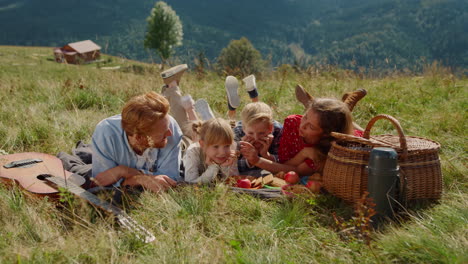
[(395, 123)]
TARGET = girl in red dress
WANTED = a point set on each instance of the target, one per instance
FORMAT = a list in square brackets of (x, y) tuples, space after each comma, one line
[(306, 139)]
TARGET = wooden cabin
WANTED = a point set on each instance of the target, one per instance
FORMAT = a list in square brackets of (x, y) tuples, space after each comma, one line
[(78, 52)]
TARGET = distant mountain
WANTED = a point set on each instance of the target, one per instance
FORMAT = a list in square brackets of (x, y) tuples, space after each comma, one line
[(350, 33)]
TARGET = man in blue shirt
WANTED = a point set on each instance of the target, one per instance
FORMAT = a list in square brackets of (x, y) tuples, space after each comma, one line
[(140, 147)]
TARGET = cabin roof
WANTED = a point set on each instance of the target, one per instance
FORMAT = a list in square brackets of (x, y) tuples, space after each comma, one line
[(84, 46)]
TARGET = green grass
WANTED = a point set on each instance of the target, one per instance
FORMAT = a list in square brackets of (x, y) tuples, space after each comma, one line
[(47, 107)]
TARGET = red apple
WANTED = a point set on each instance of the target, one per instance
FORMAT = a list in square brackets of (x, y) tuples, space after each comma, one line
[(314, 186), (244, 183), (291, 177)]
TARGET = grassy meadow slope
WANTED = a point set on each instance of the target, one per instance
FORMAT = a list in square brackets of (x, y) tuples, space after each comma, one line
[(47, 107)]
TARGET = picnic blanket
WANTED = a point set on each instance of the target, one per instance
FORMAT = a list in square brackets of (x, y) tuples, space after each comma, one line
[(79, 161)]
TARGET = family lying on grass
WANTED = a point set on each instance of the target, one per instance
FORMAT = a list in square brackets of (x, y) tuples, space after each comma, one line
[(158, 139)]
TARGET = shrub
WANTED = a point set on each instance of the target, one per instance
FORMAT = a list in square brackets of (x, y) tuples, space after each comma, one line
[(240, 58)]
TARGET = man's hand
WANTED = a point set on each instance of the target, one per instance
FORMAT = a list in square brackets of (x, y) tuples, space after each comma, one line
[(249, 152), (154, 183), (113, 175)]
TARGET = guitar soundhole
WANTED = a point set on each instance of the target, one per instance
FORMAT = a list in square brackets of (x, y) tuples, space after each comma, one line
[(43, 177)]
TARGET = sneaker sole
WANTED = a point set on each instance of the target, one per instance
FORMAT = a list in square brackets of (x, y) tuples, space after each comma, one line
[(248, 79), (174, 70), (203, 108), (231, 88)]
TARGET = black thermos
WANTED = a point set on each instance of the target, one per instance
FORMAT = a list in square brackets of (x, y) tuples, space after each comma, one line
[(383, 178)]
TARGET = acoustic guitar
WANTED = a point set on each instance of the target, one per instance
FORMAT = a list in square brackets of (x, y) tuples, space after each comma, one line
[(41, 174), (23, 168), (125, 220)]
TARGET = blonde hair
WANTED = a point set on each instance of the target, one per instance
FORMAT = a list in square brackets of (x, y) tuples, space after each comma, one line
[(141, 112), (214, 131), (257, 112)]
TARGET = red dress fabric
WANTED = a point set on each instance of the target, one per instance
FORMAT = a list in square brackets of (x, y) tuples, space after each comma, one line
[(291, 143)]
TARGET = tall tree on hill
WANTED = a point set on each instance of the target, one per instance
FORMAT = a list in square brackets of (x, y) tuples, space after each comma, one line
[(164, 31)]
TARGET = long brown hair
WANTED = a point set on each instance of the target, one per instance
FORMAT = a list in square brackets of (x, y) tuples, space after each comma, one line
[(334, 116)]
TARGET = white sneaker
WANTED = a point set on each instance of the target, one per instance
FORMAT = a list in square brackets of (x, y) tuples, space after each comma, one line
[(231, 86), (187, 102), (249, 82), (174, 73), (203, 108)]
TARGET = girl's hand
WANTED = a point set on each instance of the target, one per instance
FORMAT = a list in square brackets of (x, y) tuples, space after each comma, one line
[(209, 161), (232, 158), (249, 152)]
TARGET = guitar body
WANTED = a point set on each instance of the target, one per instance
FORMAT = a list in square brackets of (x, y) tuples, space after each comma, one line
[(23, 168)]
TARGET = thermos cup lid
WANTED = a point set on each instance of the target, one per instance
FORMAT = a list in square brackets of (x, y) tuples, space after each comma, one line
[(383, 159)]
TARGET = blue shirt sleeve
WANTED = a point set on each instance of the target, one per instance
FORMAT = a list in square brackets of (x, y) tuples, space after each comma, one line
[(103, 148)]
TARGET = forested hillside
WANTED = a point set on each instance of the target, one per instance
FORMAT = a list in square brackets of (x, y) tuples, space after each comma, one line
[(351, 33)]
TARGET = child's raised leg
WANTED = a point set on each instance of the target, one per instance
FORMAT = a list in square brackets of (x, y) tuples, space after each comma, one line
[(188, 104), (251, 87), (303, 96), (351, 98), (171, 91), (231, 86)]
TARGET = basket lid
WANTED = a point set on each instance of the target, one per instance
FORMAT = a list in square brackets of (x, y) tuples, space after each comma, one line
[(412, 143)]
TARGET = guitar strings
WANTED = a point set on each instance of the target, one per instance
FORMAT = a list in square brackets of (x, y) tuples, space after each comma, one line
[(49, 171)]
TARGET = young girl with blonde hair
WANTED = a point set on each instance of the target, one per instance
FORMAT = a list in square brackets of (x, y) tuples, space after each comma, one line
[(212, 158)]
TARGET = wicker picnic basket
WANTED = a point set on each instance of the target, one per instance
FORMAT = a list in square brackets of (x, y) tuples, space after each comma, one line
[(345, 174)]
